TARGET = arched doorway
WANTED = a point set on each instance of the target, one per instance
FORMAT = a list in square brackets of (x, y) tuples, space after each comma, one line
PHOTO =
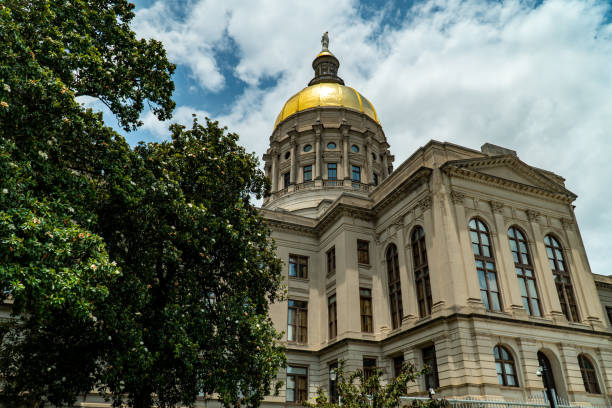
[(548, 377)]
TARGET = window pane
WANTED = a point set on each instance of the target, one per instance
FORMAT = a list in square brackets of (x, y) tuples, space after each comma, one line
[(476, 249), (532, 289), (486, 252), (493, 281), (536, 307), (495, 300), (509, 368), (474, 236), (482, 281), (522, 287), (485, 299), (484, 238), (511, 380)]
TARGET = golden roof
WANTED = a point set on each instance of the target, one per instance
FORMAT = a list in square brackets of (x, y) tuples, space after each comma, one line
[(326, 94)]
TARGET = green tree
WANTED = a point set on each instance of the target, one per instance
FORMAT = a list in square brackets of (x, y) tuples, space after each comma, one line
[(358, 390), (145, 273)]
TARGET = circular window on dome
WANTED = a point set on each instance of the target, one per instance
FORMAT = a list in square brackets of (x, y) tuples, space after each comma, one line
[(307, 148), (355, 148), (374, 156), (287, 155), (331, 145)]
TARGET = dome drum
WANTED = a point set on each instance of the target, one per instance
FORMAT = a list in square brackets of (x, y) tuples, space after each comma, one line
[(327, 141)]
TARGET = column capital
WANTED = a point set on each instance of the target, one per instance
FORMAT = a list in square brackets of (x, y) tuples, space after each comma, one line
[(344, 128), (567, 224), (497, 207), (457, 197), (532, 215), (425, 203), (318, 129)]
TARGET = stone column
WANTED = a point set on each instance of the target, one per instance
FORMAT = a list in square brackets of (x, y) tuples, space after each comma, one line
[(385, 164), (293, 142), (582, 280), (543, 273), (345, 152), (410, 309), (506, 276), (274, 176), (465, 263), (367, 177), (318, 155)]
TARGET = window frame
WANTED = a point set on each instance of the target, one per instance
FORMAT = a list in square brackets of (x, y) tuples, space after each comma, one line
[(363, 252), (296, 380), (486, 293), (560, 270), (421, 271), (370, 369), (428, 355), (331, 260), (334, 169), (398, 364), (300, 325), (502, 361), (522, 269), (333, 385), (332, 317), (355, 170), (286, 179), (589, 374), (394, 285), (375, 179), (367, 320), (301, 266), (305, 172)]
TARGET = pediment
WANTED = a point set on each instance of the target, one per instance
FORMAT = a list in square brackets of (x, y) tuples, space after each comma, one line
[(508, 169)]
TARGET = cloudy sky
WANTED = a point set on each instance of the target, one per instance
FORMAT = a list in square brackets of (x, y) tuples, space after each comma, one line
[(532, 76)]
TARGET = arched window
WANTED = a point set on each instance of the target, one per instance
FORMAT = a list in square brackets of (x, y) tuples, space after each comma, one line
[(524, 271), (589, 377), (504, 363), (485, 264), (421, 271), (548, 378), (395, 290), (561, 274)]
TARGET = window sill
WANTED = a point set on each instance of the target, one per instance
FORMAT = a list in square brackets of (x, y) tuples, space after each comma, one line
[(295, 278)]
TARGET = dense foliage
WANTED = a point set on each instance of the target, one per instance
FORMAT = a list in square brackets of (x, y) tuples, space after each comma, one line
[(144, 273), (358, 390)]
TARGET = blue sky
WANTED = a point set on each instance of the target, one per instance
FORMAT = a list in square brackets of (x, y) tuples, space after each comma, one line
[(532, 76)]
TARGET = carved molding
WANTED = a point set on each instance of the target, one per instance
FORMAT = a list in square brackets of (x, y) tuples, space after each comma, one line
[(425, 203), (567, 223), (497, 207), (457, 197)]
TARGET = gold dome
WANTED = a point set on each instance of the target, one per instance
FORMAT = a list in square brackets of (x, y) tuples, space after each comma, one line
[(326, 94)]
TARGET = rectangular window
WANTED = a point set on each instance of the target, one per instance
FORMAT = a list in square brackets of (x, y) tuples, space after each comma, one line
[(286, 179), (365, 306), (332, 171), (356, 174), (398, 363), (297, 384), (307, 173), (369, 367), (331, 261), (429, 360), (609, 312), (363, 252), (333, 383), (298, 266), (297, 321), (375, 179), (332, 317)]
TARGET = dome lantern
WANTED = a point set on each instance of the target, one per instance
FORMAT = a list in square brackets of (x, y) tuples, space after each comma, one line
[(325, 65)]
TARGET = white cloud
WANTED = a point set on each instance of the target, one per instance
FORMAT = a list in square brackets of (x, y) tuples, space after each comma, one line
[(536, 80)]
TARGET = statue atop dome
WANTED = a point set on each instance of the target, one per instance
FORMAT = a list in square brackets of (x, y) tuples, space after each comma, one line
[(325, 41)]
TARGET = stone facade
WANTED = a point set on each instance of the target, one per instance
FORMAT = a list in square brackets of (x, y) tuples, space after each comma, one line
[(440, 189)]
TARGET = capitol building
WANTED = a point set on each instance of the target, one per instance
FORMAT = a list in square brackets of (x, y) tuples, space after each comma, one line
[(468, 261)]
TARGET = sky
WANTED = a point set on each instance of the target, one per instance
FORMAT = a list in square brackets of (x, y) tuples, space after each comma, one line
[(532, 76)]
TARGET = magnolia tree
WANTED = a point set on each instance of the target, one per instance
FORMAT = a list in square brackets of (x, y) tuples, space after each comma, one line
[(358, 390), (142, 273)]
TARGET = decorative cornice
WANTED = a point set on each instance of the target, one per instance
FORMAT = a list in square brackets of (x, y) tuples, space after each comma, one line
[(457, 197), (603, 285), (419, 177), (497, 207), (466, 173)]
